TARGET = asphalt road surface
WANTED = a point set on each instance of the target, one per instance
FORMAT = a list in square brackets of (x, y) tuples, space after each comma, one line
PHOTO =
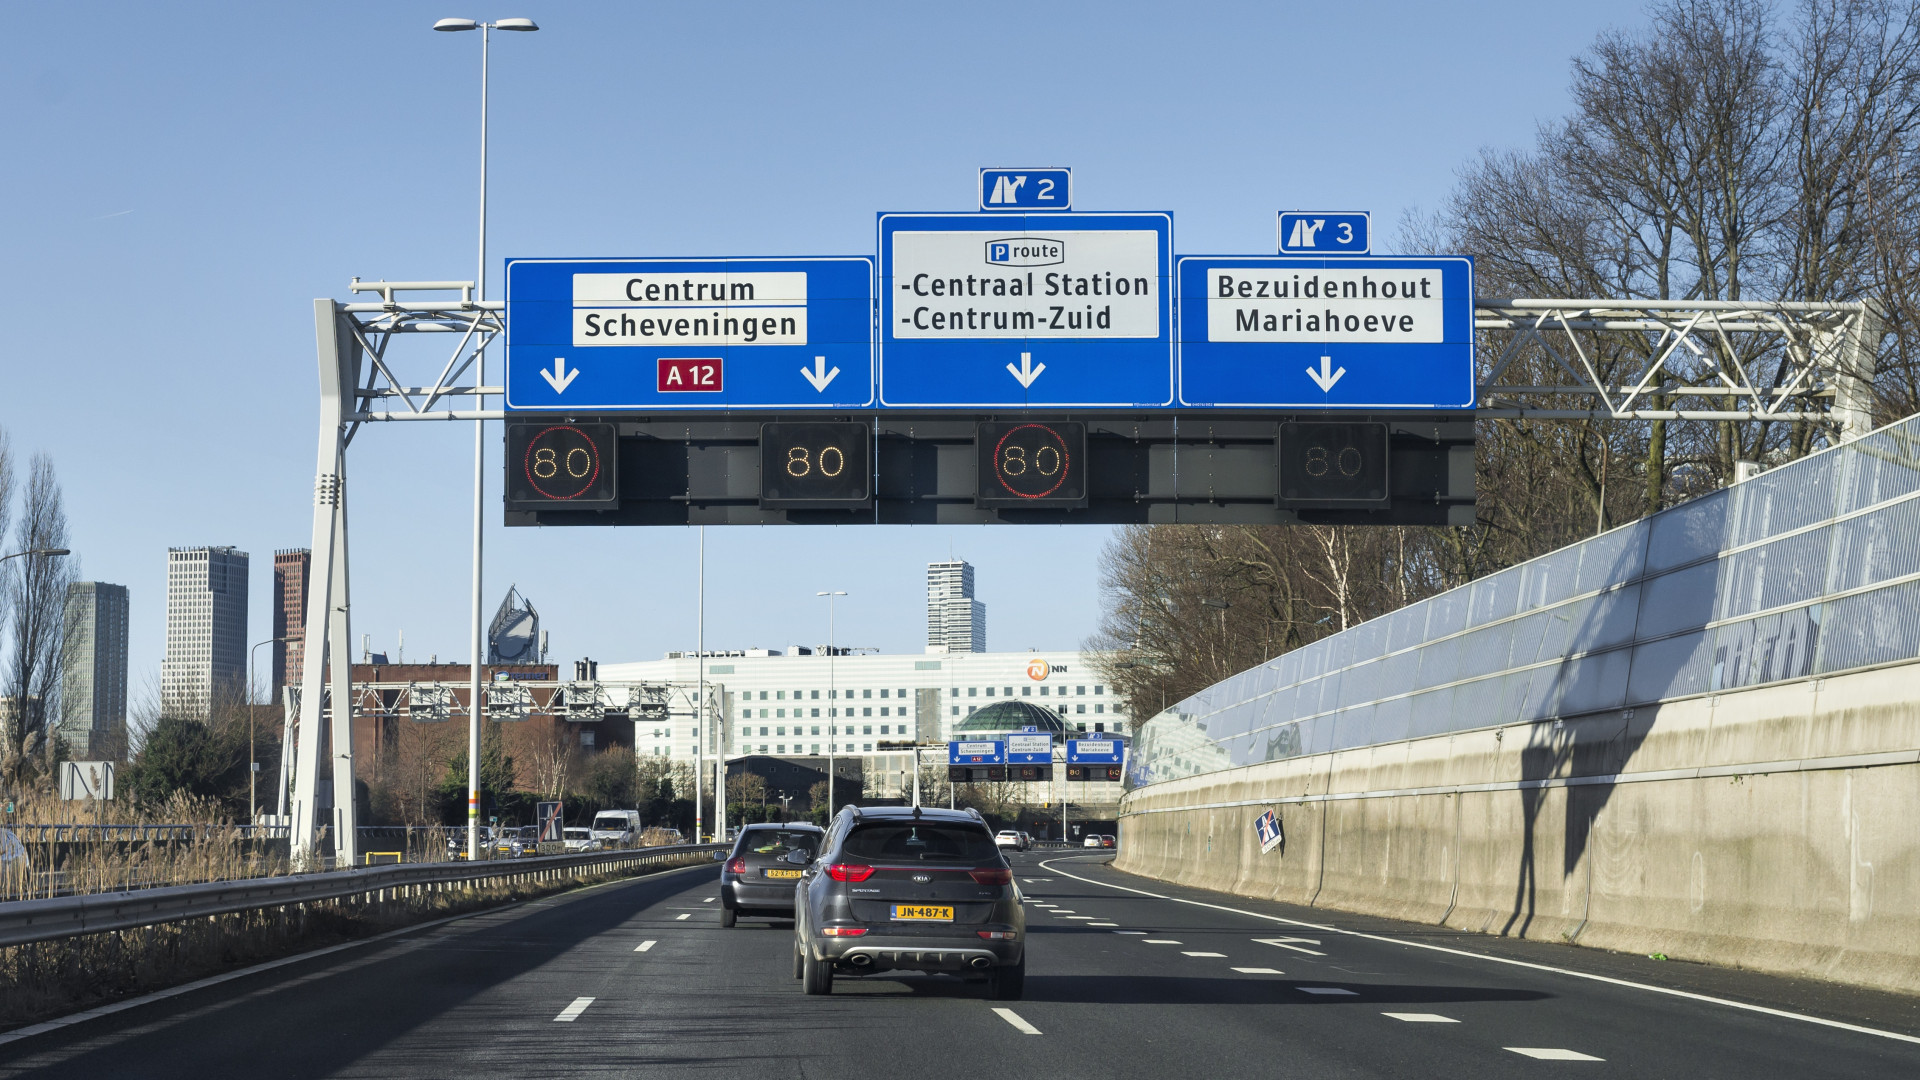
[(1125, 978)]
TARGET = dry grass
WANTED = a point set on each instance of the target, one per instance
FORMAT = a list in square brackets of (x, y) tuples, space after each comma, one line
[(52, 978), (217, 850)]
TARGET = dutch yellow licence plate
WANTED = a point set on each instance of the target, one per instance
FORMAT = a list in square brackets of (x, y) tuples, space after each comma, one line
[(923, 912), (789, 874)]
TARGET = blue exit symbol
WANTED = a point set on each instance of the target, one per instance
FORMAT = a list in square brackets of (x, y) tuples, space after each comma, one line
[(1026, 189), (1319, 232)]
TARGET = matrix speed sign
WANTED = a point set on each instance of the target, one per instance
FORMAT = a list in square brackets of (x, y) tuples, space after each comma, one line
[(554, 465)]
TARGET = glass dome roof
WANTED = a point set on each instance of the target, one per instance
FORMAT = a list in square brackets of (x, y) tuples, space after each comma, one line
[(1006, 716)]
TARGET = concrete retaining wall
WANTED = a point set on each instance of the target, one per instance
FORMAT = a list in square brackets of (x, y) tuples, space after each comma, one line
[(1776, 828)]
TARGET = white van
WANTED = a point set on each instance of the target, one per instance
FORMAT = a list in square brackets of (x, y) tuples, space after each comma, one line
[(617, 828)]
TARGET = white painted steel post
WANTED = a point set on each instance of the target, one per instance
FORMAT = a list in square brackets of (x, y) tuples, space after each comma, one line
[(328, 494), (833, 695), (475, 708), (699, 683), (340, 685)]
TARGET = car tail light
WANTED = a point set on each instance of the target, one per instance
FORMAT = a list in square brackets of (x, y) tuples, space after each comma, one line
[(737, 866), (997, 935), (849, 872), (1001, 876), (843, 931)]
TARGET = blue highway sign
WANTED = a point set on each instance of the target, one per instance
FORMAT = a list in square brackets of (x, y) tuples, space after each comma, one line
[(982, 752), (1320, 232), (1026, 189), (1275, 332), (689, 334), (1026, 311), (1029, 748), (1095, 751)]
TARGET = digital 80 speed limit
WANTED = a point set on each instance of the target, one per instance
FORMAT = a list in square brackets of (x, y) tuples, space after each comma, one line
[(570, 465), (818, 465), (1333, 465), (1032, 463)]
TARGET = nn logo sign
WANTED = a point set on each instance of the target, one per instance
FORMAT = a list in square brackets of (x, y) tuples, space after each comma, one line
[(1026, 251)]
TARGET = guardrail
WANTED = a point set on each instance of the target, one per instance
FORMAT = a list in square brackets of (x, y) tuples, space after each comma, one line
[(25, 921)]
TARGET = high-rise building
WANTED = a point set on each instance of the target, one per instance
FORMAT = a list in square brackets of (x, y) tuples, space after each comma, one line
[(206, 628), (290, 569), (93, 685), (956, 622)]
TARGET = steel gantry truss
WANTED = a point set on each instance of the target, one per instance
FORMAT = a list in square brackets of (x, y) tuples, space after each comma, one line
[(1608, 359)]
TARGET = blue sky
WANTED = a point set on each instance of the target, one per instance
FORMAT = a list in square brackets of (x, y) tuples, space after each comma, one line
[(183, 179)]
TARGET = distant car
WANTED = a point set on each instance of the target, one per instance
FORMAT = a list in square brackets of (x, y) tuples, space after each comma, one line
[(1026, 838), (580, 840), (617, 828), (457, 841), (1010, 838), (518, 843), (1108, 840), (1093, 840), (759, 875)]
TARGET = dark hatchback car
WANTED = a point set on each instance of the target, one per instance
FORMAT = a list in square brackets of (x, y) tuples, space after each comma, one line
[(909, 889), (757, 877)]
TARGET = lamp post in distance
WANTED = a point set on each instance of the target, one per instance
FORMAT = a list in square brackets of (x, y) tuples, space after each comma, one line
[(833, 697), (51, 553), (479, 444), (253, 752)]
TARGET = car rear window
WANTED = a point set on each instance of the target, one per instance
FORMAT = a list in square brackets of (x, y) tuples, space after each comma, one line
[(929, 840), (778, 842)]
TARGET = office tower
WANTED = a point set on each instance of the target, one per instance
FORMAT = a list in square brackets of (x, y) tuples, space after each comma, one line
[(290, 569), (206, 628), (956, 622), (93, 684)]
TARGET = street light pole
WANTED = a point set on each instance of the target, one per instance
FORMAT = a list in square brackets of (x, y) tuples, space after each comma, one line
[(253, 751), (833, 696), (700, 685), (479, 438)]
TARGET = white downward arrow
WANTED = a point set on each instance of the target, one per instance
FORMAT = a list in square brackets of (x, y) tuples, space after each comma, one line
[(1326, 376), (819, 376), (1026, 372), (559, 378)]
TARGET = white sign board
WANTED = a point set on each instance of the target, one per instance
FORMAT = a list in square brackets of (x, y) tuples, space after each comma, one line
[(86, 780), (1027, 283), (1040, 745)]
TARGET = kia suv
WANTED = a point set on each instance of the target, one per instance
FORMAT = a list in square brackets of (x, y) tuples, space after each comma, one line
[(909, 889), (757, 879)]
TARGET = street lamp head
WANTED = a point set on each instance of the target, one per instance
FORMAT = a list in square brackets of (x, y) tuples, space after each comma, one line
[(523, 25), (55, 551), (454, 25), (835, 593)]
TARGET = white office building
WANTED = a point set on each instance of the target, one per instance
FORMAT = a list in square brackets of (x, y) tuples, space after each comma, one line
[(206, 627), (956, 622), (789, 702), (93, 685)]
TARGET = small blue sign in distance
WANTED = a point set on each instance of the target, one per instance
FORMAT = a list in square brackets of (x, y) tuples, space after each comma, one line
[(1095, 751), (1012, 311), (981, 752), (1372, 332), (1323, 232), (666, 335), (1026, 189)]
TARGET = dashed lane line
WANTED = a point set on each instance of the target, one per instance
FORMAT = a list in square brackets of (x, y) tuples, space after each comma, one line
[(1132, 933), (1333, 991), (680, 918), (1103, 924), (1161, 941), (1590, 976), (1282, 943), (1268, 971), (643, 946), (708, 900), (1551, 1053), (572, 1012), (1422, 1018), (1215, 955), (1017, 1021)]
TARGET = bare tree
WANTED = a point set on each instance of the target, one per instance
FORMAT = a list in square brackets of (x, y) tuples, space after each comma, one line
[(37, 595)]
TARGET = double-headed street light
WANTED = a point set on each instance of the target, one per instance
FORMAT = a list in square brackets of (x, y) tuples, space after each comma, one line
[(833, 697), (479, 445)]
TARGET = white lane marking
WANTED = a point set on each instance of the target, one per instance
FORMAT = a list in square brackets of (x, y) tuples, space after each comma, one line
[(1080, 918), (678, 918), (1159, 941), (708, 900), (1017, 1021), (1103, 924), (1551, 1053), (1218, 955), (1327, 990), (1422, 1018), (1132, 933), (1268, 971), (1063, 911), (643, 946), (568, 1014), (1282, 943), (1628, 983)]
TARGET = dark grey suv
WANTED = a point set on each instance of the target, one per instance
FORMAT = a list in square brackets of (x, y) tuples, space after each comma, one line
[(909, 889), (758, 877)]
